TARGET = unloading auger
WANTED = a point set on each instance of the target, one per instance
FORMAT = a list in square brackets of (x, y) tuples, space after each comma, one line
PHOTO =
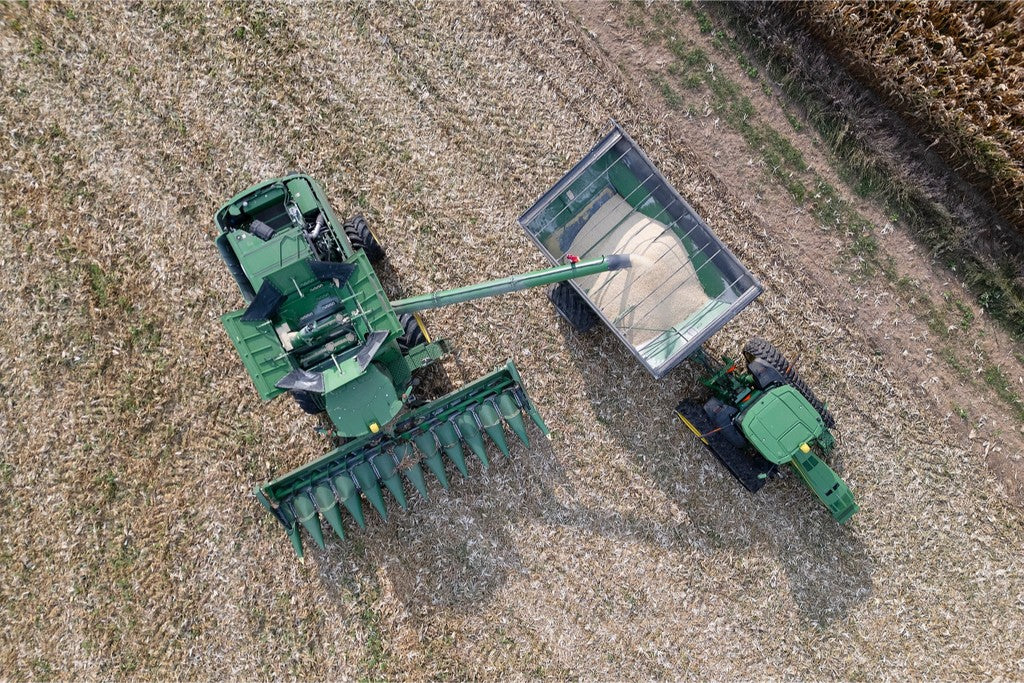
[(318, 325)]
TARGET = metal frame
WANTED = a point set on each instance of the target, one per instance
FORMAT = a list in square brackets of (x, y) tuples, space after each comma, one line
[(610, 140)]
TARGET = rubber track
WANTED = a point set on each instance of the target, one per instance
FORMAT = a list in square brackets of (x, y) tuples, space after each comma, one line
[(766, 351), (573, 308), (743, 463)]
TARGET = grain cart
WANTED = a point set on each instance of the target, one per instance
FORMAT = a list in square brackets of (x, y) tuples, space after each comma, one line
[(319, 326), (684, 285)]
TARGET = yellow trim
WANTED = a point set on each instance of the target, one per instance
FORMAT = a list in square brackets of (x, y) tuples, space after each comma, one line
[(374, 427), (804, 448), (422, 326), (370, 230), (696, 432)]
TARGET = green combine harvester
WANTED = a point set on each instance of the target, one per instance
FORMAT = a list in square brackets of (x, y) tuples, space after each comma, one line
[(684, 285), (319, 326)]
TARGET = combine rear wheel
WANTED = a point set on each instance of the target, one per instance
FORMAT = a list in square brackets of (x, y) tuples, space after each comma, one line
[(359, 235), (769, 355), (308, 402), (413, 334)]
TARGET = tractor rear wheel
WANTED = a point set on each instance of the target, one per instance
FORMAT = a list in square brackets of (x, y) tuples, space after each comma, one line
[(766, 352), (309, 402), (359, 235), (412, 335), (571, 306)]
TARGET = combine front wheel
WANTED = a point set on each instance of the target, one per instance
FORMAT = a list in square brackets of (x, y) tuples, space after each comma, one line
[(359, 235), (413, 333)]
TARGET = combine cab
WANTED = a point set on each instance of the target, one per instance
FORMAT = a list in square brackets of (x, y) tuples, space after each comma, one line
[(319, 326), (684, 285)]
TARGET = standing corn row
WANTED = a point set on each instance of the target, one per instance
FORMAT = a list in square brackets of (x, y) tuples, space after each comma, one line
[(956, 69)]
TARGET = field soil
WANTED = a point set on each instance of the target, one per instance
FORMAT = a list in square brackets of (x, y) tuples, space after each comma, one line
[(131, 436)]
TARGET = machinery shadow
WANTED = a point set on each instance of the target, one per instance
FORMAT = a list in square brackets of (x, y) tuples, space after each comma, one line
[(454, 551), (828, 567)]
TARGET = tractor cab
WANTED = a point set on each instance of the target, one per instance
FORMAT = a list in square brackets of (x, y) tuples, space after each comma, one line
[(780, 422)]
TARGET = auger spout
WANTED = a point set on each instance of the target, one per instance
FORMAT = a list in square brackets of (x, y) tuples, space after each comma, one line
[(513, 283)]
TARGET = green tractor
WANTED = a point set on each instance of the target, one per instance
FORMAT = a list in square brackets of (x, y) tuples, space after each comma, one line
[(684, 285), (758, 420), (319, 326)]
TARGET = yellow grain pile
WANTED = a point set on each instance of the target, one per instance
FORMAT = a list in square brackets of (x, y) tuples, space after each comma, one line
[(658, 291), (956, 68)]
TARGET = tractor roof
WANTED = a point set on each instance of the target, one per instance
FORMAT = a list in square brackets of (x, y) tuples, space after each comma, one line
[(779, 422)]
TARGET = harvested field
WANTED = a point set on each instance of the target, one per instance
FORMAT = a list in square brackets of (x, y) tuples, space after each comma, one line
[(130, 545)]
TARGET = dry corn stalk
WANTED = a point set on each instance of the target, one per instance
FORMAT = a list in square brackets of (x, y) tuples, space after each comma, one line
[(957, 68)]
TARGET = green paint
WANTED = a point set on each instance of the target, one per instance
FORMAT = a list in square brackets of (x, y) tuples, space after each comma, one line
[(338, 336), (779, 424), (513, 283)]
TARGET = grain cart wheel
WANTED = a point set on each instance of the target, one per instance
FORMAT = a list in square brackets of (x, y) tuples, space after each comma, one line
[(308, 402), (764, 351), (571, 306), (359, 235), (413, 334)]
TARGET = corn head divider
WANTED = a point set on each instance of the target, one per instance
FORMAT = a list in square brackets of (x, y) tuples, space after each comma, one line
[(318, 325), (377, 463)]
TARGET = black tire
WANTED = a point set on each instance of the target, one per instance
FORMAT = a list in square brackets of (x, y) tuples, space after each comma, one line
[(413, 335), (431, 382), (359, 235), (766, 352), (309, 402), (571, 306)]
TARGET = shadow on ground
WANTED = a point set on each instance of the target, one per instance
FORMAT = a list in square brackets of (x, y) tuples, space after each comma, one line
[(454, 551), (827, 565)]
